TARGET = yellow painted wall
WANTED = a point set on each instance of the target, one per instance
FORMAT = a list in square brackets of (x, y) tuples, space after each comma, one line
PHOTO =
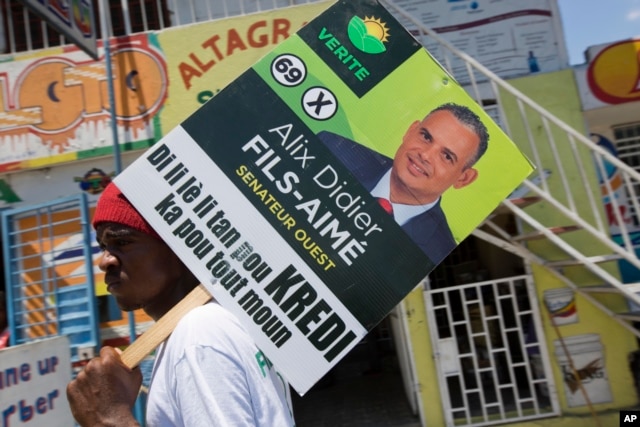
[(557, 92), (423, 354), (202, 59)]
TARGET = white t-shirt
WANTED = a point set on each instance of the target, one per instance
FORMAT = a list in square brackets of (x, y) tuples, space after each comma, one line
[(209, 372)]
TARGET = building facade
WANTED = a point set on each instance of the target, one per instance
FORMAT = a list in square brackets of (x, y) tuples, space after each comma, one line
[(490, 337)]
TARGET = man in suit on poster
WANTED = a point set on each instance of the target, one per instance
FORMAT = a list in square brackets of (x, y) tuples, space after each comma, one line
[(436, 153)]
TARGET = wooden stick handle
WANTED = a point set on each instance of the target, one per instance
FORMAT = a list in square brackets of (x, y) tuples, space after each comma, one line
[(160, 330)]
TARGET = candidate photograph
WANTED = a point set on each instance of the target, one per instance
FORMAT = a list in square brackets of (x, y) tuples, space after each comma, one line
[(436, 153)]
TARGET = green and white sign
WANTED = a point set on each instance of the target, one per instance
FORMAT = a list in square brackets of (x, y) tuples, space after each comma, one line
[(269, 192)]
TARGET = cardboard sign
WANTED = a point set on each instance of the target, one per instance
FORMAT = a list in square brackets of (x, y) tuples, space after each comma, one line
[(261, 194), (33, 380)]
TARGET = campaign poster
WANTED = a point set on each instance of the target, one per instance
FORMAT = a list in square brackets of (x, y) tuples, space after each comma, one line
[(269, 191)]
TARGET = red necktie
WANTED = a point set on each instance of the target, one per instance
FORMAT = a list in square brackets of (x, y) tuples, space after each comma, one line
[(386, 205)]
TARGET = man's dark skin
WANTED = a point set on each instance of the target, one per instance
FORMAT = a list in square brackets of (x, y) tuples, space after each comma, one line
[(141, 271)]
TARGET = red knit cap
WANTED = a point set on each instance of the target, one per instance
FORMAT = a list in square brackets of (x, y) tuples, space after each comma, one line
[(113, 206)]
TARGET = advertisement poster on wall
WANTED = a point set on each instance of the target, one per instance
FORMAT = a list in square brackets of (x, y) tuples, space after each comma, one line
[(610, 77), (510, 38), (205, 57)]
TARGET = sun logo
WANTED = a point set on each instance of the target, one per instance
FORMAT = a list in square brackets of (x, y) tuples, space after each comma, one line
[(368, 34), (376, 28)]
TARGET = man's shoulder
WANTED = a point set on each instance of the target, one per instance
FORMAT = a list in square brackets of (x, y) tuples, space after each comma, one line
[(210, 326), (351, 152), (434, 219), (209, 314), (210, 321), (336, 141), (431, 232)]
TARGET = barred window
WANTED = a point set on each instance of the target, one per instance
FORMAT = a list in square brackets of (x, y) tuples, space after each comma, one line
[(24, 30), (143, 15), (627, 140)]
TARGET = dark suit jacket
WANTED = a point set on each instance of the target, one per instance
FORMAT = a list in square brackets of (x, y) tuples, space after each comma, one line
[(429, 230)]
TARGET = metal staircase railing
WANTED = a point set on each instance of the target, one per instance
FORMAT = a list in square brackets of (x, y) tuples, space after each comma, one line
[(566, 186)]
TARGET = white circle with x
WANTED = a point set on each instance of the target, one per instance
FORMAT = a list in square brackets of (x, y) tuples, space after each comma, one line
[(319, 103)]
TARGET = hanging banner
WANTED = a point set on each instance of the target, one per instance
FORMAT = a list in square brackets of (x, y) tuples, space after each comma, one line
[(74, 19), (269, 192)]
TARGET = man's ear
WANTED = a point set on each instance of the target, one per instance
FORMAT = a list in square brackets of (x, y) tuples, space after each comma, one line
[(467, 177)]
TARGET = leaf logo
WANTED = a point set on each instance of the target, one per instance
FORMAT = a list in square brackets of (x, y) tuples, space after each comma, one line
[(369, 34)]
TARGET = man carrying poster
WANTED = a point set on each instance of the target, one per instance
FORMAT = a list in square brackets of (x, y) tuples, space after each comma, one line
[(278, 228), (436, 154), (207, 373)]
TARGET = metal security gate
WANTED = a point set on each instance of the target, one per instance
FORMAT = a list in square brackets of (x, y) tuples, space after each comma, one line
[(492, 367), (49, 274)]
